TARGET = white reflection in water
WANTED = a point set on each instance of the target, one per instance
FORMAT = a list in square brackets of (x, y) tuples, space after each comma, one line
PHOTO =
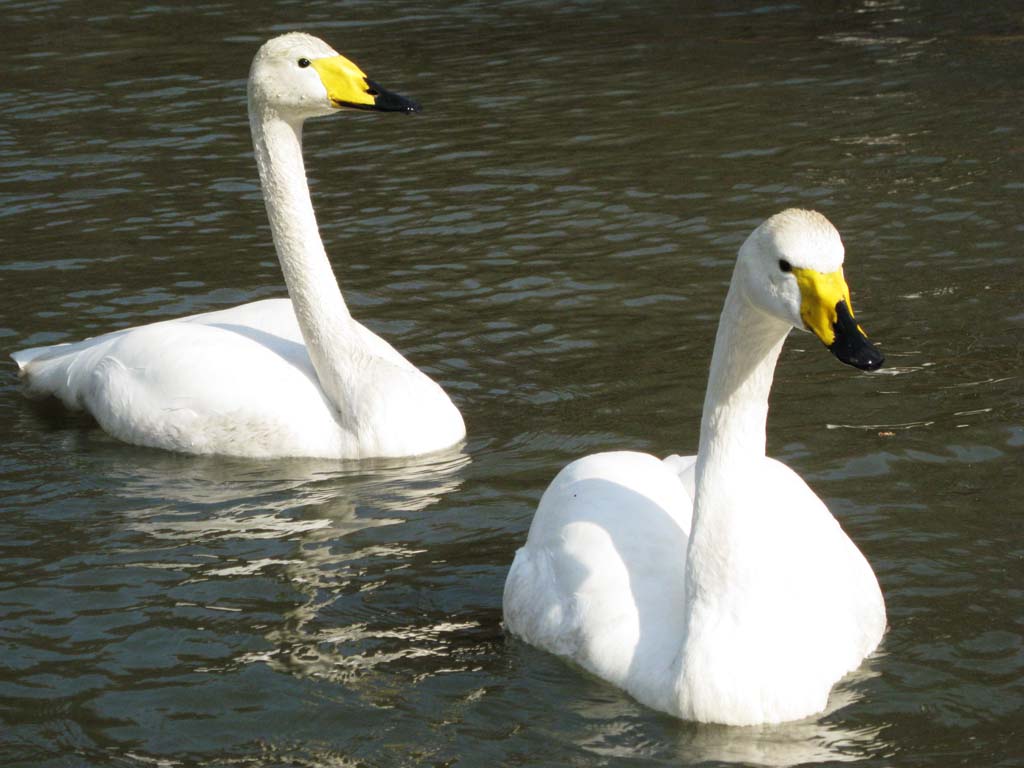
[(812, 740), (870, 427), (310, 507), (238, 496)]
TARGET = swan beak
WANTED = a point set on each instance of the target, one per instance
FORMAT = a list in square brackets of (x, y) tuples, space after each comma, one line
[(827, 312), (348, 86)]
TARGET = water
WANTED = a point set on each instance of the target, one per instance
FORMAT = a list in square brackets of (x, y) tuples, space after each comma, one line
[(551, 239)]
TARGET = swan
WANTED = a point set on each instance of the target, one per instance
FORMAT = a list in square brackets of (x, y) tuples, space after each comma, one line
[(716, 587), (280, 377)]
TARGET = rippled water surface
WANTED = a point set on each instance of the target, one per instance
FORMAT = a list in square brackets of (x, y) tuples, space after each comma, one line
[(551, 239)]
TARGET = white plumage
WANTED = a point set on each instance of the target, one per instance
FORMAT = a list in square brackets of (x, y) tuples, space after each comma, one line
[(282, 377), (715, 587)]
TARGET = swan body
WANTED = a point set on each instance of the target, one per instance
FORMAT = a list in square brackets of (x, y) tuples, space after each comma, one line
[(280, 377), (715, 587), (188, 397)]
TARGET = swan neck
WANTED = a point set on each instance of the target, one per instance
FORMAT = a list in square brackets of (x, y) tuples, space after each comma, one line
[(732, 449), (319, 307), (735, 415), (307, 270)]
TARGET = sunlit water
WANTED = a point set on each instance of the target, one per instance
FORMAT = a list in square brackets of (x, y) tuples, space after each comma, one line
[(551, 239)]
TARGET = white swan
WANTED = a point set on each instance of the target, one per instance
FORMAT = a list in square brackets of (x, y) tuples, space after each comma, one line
[(280, 377), (748, 610)]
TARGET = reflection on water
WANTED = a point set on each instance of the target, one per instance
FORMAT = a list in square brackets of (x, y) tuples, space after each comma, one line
[(823, 738), (312, 506), (246, 486)]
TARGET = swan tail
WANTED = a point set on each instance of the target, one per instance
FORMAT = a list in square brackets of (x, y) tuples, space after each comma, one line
[(41, 369), (25, 356), (52, 371)]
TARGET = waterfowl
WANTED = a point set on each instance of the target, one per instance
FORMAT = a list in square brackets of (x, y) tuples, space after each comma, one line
[(715, 587), (280, 377)]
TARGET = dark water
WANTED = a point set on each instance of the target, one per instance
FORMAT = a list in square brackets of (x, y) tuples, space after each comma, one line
[(551, 239)]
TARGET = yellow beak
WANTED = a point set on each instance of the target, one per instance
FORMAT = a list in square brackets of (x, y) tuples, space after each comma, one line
[(348, 86), (820, 292), (827, 312)]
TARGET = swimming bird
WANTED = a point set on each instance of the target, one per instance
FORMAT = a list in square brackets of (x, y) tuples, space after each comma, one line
[(280, 377), (715, 587)]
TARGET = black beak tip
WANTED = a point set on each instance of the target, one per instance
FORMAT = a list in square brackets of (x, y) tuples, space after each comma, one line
[(851, 346), (386, 101), (866, 356)]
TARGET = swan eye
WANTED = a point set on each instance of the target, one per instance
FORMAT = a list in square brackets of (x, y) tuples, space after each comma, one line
[(785, 266), (304, 62)]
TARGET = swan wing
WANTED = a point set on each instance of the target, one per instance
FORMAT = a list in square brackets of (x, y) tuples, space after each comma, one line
[(788, 605), (826, 593), (685, 468), (236, 381), (239, 381), (600, 579)]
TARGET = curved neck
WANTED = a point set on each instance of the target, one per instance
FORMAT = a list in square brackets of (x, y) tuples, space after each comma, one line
[(747, 347), (316, 298), (732, 439)]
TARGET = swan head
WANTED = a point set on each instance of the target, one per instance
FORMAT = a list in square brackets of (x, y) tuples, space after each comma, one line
[(791, 267), (301, 76)]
